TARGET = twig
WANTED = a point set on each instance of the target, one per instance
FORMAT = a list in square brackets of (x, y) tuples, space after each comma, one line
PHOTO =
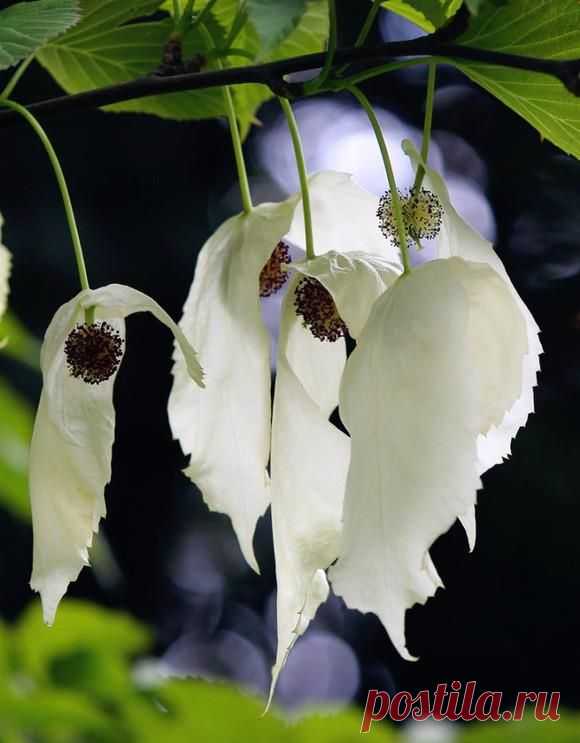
[(272, 74)]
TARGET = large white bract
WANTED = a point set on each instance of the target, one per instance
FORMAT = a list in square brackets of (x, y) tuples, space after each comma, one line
[(70, 453), (438, 364)]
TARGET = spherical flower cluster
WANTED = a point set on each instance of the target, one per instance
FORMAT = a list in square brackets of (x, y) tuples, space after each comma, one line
[(315, 305), (422, 213), (93, 352), (273, 276)]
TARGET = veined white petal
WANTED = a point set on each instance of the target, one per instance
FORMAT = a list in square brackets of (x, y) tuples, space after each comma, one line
[(226, 427), (355, 280), (344, 218), (457, 238), (309, 465), (420, 386), (5, 267)]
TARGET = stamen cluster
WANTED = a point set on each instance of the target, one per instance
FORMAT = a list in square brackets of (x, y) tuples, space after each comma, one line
[(422, 215), (272, 276), (316, 306), (93, 352)]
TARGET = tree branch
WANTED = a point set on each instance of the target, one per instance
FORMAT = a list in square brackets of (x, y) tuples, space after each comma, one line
[(272, 74)]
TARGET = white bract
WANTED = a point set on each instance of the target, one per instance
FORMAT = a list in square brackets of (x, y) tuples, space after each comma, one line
[(310, 456), (70, 454), (5, 266)]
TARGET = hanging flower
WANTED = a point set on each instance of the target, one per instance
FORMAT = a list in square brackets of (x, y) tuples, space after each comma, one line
[(70, 455), (440, 382), (438, 385), (310, 456), (226, 429), (5, 266)]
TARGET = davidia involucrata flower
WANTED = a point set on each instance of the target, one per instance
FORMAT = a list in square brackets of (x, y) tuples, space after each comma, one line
[(440, 382), (70, 455)]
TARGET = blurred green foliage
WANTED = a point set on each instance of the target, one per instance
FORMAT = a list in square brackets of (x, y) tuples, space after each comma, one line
[(566, 730), (15, 433), (19, 344), (16, 419), (77, 682)]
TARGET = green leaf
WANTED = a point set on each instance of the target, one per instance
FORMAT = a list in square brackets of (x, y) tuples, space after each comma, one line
[(474, 6), (18, 343), (199, 707), (548, 29), (100, 51), (49, 715), (340, 728), (308, 37), (15, 434), (223, 11), (25, 27), (565, 730), (427, 14), (274, 25), (81, 629)]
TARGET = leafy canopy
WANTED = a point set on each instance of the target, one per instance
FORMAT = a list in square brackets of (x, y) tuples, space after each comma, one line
[(549, 29), (88, 44), (25, 27), (427, 14)]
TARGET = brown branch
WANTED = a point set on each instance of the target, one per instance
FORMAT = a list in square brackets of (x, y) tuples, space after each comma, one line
[(273, 74)]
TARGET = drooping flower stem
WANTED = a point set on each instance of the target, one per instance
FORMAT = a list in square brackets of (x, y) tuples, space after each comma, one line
[(238, 152), (301, 166), (245, 194), (368, 24), (13, 82), (330, 50), (396, 201), (364, 32), (427, 125), (74, 233)]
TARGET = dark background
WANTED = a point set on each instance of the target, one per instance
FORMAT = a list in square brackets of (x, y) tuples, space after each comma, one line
[(147, 193)]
